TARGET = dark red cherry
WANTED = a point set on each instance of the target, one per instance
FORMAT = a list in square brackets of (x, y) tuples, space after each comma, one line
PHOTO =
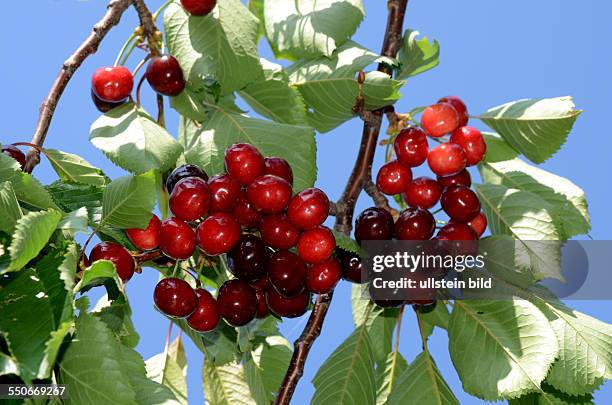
[(411, 147), (15, 153), (352, 267), (387, 298), (472, 142), (278, 232), (269, 194), (112, 84), (244, 212), (244, 163), (175, 297), (237, 302), (460, 107), (308, 209), (393, 178), (218, 234), (323, 277), (460, 203), (118, 255), (447, 159), (105, 106), (261, 284), (374, 224), (262, 307), (206, 315), (457, 231), (198, 7), (279, 167), (423, 192), (439, 119), (190, 199), (316, 245), (176, 239), (225, 192), (247, 260), (478, 223), (287, 273), (415, 224), (165, 75), (182, 172), (288, 307), (462, 178), (148, 238)]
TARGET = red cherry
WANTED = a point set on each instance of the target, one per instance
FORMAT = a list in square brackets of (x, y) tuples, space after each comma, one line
[(176, 239), (190, 199), (218, 234), (262, 307), (112, 84), (15, 153), (287, 273), (316, 245), (415, 224), (279, 167), (352, 267), (245, 213), (247, 260), (393, 178), (198, 7), (244, 163), (182, 172), (237, 302), (459, 106), (175, 297), (224, 191), (446, 159), (457, 231), (105, 106), (423, 192), (278, 232), (411, 147), (323, 277), (288, 307), (261, 284), (478, 223), (118, 255), (472, 142), (460, 203), (206, 315), (308, 209), (269, 194), (148, 238), (462, 178), (374, 224), (165, 75), (439, 119)]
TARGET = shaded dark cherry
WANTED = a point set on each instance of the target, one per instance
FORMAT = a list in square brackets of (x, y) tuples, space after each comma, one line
[(224, 191), (206, 315), (393, 178), (121, 258), (278, 167), (247, 260), (374, 224), (287, 273), (112, 84), (218, 233), (460, 203), (415, 224), (105, 106), (176, 239), (244, 163), (457, 231), (15, 153), (472, 142), (198, 7), (182, 172), (387, 298), (463, 178), (262, 307), (446, 159), (237, 302), (261, 284), (165, 75), (352, 267), (148, 238), (411, 147), (175, 297), (316, 245), (244, 212), (478, 223), (278, 232), (423, 192), (269, 194), (439, 119), (460, 107), (288, 307), (308, 209), (322, 278), (190, 199)]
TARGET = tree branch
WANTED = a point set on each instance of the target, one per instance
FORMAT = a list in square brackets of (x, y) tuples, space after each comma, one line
[(345, 207), (149, 29)]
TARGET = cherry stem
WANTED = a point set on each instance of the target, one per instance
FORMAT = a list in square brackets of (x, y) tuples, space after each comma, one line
[(148, 256), (141, 64), (422, 332), (160, 111), (140, 82), (128, 42)]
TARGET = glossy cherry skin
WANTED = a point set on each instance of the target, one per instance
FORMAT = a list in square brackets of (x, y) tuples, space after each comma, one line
[(457, 231), (148, 238), (15, 153), (278, 232), (472, 142), (288, 307), (260, 285), (176, 239), (374, 224), (439, 119), (244, 212), (423, 192), (393, 178), (121, 258), (244, 163), (182, 172), (459, 106), (175, 297), (262, 307), (316, 245), (447, 159), (225, 192), (206, 315), (308, 209), (287, 273), (478, 223), (278, 167), (352, 267), (415, 224), (165, 75), (322, 278), (411, 147), (248, 259), (463, 178), (198, 7), (269, 194), (112, 84), (105, 106), (237, 302), (460, 203), (218, 234), (190, 199)]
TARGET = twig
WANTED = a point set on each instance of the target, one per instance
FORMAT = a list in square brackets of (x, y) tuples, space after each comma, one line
[(379, 198), (149, 29)]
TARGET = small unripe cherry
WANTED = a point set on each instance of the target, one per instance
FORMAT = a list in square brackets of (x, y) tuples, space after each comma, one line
[(439, 119), (411, 147), (322, 278), (218, 234), (244, 163), (460, 203), (287, 273), (415, 224), (269, 194), (278, 232), (175, 297), (118, 255), (15, 153), (422, 192), (447, 159), (198, 7), (224, 191), (237, 302), (165, 75), (190, 199), (374, 224), (308, 209), (316, 245), (463, 178), (288, 307), (148, 238), (112, 84), (176, 239), (393, 178), (472, 142), (460, 107), (206, 315), (279, 167)]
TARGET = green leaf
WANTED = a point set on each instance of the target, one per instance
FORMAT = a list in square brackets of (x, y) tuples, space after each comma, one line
[(226, 384), (128, 202), (305, 29), (417, 55), (551, 396), (52, 272), (117, 315), (8, 365), (100, 273), (388, 375), (9, 206), (257, 8), (347, 243), (497, 149), (438, 317), (219, 345), (74, 222), (170, 369), (221, 45), (265, 367), (516, 346), (421, 383), (537, 127), (71, 197), (73, 168)]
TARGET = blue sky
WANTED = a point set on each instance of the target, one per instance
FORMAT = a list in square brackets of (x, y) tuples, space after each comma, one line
[(491, 53)]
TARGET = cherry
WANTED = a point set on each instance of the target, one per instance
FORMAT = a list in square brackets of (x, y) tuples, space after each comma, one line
[(224, 191), (105, 106), (261, 284), (245, 213), (118, 255), (244, 163), (415, 224), (165, 76), (439, 119), (352, 267), (182, 172), (198, 7), (218, 233), (262, 307), (411, 147), (308, 209), (112, 84), (393, 178), (459, 106), (148, 238), (190, 199), (176, 239), (478, 223), (206, 315), (288, 307), (424, 306), (447, 159), (269, 194), (278, 167), (316, 245), (278, 232), (472, 142), (374, 224), (175, 297), (423, 192), (247, 260), (287, 273), (457, 231), (237, 302), (460, 203), (323, 277), (387, 298), (15, 153), (462, 178)]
